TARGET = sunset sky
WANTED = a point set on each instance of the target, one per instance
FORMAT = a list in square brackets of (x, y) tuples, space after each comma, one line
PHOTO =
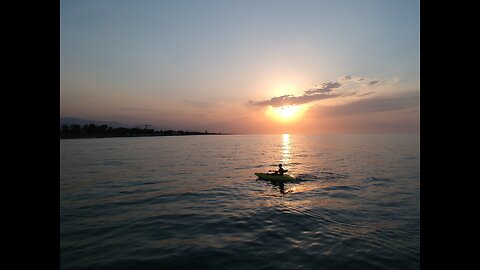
[(258, 66)]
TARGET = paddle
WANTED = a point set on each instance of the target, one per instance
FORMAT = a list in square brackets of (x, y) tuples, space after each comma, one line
[(284, 171)]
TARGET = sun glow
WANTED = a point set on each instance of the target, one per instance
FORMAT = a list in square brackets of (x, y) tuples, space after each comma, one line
[(285, 113)]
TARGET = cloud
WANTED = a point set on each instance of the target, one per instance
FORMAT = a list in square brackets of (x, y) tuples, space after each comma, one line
[(396, 113), (293, 100), (365, 94), (322, 91), (139, 109), (325, 88), (383, 104)]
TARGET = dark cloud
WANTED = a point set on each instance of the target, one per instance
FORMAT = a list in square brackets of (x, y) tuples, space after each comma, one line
[(325, 88), (293, 100), (310, 98), (276, 101), (318, 92)]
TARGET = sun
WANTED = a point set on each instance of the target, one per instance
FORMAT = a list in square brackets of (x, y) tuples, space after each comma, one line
[(288, 111), (285, 113)]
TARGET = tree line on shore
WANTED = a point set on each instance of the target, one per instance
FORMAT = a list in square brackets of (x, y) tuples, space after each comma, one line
[(94, 131)]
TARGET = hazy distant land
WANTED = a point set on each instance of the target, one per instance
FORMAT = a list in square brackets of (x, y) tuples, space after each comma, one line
[(76, 131)]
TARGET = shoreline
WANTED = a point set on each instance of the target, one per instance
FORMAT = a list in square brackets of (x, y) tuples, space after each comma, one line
[(104, 131), (141, 135)]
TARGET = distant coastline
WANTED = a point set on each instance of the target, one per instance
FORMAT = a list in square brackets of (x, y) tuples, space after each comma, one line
[(75, 131)]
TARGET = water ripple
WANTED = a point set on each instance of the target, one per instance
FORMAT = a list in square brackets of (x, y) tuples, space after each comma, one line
[(192, 203)]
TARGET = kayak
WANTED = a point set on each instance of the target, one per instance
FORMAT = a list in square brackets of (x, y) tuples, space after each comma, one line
[(275, 177)]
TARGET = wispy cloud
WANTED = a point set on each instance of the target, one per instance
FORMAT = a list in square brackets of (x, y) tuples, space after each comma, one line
[(138, 109), (365, 94), (379, 104), (324, 88), (293, 100), (321, 91)]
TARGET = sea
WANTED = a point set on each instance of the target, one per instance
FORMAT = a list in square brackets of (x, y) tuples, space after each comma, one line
[(193, 202)]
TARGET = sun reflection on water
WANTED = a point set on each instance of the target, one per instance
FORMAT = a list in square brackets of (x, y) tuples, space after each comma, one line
[(286, 153)]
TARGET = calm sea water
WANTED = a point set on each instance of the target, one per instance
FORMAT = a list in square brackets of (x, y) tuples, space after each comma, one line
[(193, 202)]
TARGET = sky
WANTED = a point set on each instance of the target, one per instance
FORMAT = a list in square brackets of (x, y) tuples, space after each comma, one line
[(263, 66)]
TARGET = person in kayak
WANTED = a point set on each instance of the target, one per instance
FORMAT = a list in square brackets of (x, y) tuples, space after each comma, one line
[(280, 170)]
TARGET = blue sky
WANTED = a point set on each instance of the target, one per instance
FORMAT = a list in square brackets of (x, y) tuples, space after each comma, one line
[(202, 64)]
